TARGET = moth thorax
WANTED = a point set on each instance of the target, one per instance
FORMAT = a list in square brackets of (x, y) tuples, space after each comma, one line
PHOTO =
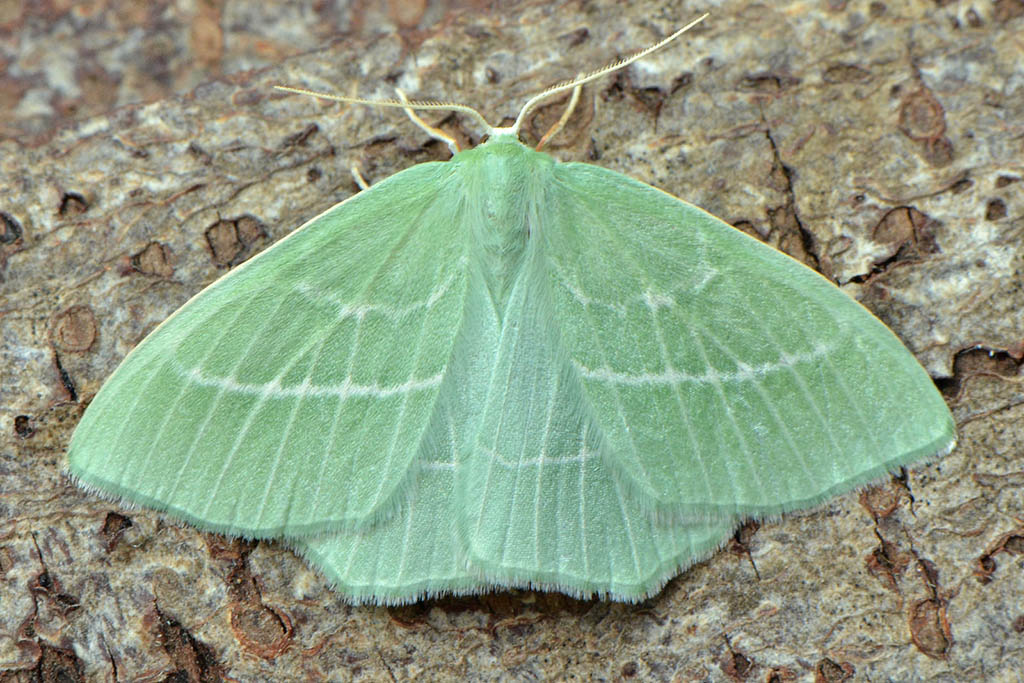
[(502, 240), (502, 225)]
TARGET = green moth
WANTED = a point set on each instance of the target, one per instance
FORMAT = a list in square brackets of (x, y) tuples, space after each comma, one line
[(504, 370)]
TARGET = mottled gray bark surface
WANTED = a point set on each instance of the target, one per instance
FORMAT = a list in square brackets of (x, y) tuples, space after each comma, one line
[(880, 143)]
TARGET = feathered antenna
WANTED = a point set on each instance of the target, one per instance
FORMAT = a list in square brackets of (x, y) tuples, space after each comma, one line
[(574, 84)]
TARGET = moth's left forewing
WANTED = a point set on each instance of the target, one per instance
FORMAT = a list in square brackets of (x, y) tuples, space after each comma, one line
[(292, 396)]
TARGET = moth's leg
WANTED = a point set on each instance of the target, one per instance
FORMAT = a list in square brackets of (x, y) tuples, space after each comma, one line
[(358, 177), (435, 133), (560, 123)]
